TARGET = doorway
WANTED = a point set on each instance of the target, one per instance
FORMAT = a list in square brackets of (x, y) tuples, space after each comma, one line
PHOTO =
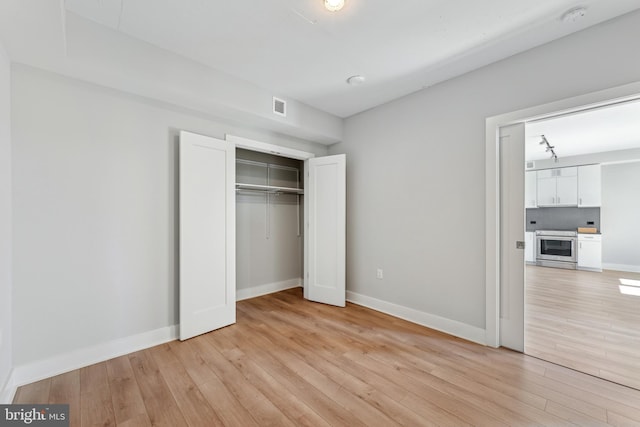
[(577, 311), (496, 247), (269, 218)]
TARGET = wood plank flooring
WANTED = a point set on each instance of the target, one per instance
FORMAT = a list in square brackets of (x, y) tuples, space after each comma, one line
[(581, 320), (290, 362)]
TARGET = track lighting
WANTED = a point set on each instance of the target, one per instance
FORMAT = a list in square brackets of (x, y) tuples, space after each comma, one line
[(549, 148)]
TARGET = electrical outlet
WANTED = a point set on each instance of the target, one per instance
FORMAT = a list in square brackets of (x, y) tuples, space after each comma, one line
[(379, 274)]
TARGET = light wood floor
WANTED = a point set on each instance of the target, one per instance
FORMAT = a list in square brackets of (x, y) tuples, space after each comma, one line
[(289, 362), (581, 320)]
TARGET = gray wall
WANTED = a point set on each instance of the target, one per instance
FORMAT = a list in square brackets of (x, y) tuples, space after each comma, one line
[(270, 252), (561, 218), (416, 169), (5, 221), (95, 210), (621, 215)]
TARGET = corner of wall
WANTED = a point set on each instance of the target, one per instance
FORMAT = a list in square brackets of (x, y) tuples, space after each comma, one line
[(6, 225), (8, 390)]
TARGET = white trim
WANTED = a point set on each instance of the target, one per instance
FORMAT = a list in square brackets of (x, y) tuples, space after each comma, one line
[(442, 324), (35, 371), (267, 288), (263, 147), (622, 267), (8, 392), (492, 182)]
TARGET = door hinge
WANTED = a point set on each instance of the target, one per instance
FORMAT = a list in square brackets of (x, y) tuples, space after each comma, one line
[(519, 244)]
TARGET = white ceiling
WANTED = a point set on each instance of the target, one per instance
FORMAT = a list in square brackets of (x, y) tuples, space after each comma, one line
[(297, 49), (610, 128)]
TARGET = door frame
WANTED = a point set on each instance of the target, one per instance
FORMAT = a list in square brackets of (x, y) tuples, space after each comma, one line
[(493, 124), (264, 147)]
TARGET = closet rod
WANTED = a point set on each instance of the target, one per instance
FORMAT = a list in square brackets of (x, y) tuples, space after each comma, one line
[(269, 188)]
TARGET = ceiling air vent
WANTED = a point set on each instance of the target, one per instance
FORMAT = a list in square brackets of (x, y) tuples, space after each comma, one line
[(530, 164), (279, 107)]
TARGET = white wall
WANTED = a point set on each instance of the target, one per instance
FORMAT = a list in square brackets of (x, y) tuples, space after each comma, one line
[(619, 216), (85, 50), (416, 169), (589, 159), (5, 222), (95, 211)]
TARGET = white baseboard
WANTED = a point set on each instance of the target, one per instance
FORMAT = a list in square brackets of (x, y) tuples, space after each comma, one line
[(267, 288), (35, 371), (8, 391), (448, 326), (622, 267)]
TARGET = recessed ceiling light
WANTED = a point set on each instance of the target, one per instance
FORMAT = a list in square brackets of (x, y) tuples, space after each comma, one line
[(574, 15), (356, 80), (333, 5)]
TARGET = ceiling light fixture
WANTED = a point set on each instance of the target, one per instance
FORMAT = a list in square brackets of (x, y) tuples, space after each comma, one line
[(356, 80), (574, 15), (333, 5)]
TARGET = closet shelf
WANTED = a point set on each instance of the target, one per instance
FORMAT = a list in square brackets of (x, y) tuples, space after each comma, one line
[(269, 188)]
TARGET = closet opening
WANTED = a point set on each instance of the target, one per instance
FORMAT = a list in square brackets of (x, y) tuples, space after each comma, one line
[(269, 223), (253, 222)]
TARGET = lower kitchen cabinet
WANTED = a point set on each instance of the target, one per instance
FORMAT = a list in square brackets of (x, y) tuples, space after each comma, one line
[(590, 252)]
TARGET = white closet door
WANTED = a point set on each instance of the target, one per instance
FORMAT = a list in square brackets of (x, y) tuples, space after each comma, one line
[(207, 234), (325, 200), (512, 231)]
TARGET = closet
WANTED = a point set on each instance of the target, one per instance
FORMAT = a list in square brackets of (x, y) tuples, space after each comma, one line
[(269, 218), (256, 218)]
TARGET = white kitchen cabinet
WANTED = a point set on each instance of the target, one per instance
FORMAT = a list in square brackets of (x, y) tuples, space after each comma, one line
[(530, 189), (546, 188), (590, 252), (567, 186), (589, 186), (557, 187), (530, 247)]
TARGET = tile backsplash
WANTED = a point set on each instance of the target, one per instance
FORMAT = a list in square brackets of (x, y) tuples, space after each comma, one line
[(562, 218)]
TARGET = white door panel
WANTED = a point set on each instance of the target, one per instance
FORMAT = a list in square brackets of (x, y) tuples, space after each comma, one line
[(207, 234), (512, 230), (325, 254)]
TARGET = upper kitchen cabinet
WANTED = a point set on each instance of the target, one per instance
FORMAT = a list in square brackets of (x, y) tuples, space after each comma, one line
[(530, 186), (589, 186), (557, 187)]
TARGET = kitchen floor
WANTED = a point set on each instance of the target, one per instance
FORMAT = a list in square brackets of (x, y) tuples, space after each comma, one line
[(581, 320)]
